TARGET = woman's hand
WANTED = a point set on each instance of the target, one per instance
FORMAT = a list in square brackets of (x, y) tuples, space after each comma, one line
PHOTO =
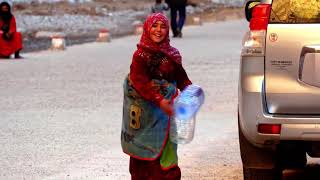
[(166, 106), (9, 34)]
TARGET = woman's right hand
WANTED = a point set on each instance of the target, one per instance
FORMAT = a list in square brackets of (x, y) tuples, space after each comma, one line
[(166, 106)]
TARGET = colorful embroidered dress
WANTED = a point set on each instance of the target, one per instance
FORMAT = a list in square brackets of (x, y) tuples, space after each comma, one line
[(145, 126), (155, 73)]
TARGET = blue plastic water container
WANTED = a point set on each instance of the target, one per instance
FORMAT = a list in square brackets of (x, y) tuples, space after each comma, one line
[(186, 106)]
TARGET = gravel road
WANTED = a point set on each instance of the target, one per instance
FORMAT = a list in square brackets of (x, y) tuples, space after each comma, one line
[(61, 111)]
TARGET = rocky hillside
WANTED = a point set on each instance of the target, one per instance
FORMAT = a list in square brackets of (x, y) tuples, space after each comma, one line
[(81, 20)]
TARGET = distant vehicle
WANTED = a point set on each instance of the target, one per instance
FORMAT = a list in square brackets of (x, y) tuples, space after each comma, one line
[(279, 87)]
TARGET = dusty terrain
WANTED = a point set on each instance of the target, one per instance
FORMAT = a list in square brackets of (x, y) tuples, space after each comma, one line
[(96, 7), (61, 111), (81, 22)]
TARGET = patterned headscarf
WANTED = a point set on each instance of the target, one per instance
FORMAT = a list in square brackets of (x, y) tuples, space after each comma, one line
[(164, 46)]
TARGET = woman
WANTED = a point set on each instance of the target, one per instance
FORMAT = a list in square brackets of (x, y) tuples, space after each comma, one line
[(155, 74), (10, 39)]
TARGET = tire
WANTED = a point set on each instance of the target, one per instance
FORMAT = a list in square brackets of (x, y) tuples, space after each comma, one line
[(258, 163), (292, 155), (260, 174)]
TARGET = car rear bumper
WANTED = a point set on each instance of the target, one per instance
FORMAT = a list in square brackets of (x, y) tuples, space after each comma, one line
[(252, 110)]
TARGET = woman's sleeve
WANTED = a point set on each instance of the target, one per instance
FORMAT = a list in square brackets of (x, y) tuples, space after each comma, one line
[(13, 26), (142, 83), (181, 77)]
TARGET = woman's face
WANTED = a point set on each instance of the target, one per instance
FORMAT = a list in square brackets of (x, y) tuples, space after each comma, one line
[(158, 32), (4, 8)]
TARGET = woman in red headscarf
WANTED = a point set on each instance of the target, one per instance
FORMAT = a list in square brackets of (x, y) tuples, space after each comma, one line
[(10, 39), (155, 58)]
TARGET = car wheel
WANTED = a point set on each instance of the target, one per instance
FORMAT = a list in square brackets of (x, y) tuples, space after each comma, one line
[(292, 154), (261, 174), (258, 163)]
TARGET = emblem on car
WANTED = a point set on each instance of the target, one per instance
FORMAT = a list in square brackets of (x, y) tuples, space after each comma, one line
[(273, 37)]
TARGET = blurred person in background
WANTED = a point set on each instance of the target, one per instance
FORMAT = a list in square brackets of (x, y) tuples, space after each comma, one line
[(177, 9), (156, 74), (10, 39), (159, 7)]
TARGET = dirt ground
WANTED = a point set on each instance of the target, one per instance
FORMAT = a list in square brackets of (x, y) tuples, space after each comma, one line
[(96, 7), (102, 9)]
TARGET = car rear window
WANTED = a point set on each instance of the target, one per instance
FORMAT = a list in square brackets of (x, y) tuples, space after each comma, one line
[(295, 11)]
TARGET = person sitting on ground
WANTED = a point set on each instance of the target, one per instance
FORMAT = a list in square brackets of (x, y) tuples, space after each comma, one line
[(10, 39), (159, 7)]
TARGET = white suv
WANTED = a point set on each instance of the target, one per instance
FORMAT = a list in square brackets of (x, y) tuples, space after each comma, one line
[(279, 87)]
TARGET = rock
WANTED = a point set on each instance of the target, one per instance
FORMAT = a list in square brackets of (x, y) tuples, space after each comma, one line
[(58, 43), (197, 20), (104, 35), (136, 22), (48, 34)]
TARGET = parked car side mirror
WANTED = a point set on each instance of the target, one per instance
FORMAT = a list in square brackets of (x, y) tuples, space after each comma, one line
[(249, 7)]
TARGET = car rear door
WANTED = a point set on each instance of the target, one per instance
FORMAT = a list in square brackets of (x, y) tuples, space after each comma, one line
[(292, 58)]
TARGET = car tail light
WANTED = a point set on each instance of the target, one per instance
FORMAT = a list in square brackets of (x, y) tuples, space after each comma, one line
[(254, 42), (269, 128), (260, 17)]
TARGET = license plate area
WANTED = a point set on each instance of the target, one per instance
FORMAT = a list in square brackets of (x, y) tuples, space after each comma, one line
[(310, 71)]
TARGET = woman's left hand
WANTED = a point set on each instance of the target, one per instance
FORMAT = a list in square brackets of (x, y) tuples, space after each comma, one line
[(166, 106)]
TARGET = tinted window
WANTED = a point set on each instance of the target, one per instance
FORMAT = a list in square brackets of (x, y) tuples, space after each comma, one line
[(295, 11)]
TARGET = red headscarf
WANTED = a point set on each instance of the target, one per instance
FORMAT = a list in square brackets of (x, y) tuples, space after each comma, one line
[(164, 46)]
